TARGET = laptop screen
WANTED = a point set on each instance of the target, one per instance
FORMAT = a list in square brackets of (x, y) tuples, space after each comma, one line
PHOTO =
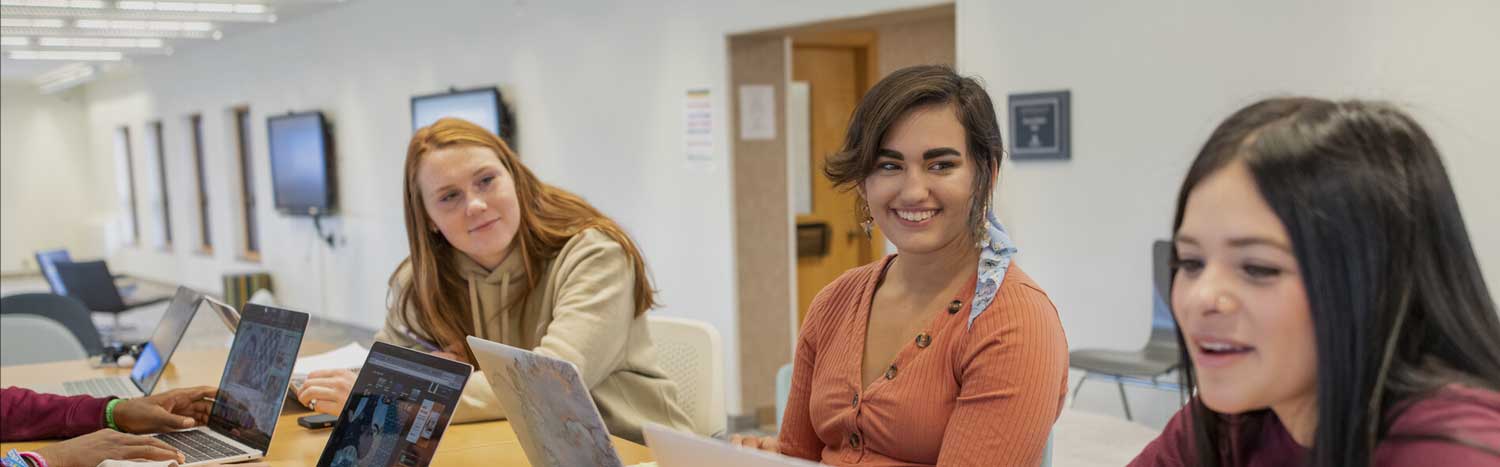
[(397, 411), (153, 358), (255, 376)]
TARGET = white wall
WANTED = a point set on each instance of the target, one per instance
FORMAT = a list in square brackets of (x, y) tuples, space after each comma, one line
[(598, 89), (1151, 79), (45, 169)]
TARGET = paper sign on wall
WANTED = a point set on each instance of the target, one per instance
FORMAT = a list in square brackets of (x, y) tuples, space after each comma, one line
[(698, 125), (757, 112)]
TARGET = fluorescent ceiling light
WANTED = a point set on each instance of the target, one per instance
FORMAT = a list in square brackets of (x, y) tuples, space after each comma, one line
[(14, 40), (111, 42), (65, 77), (78, 55), (135, 25), (31, 22), (200, 7), (85, 4)]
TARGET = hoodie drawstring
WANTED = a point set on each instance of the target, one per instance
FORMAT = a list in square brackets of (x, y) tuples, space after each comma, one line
[(476, 315)]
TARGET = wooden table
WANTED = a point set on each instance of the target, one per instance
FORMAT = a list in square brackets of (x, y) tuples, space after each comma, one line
[(485, 443)]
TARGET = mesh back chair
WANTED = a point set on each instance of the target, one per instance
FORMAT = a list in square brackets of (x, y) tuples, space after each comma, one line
[(70, 312), (690, 354), (47, 260), (91, 283), (1158, 357)]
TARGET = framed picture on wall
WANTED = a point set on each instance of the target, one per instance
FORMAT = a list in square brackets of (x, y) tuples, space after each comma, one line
[(1039, 126)]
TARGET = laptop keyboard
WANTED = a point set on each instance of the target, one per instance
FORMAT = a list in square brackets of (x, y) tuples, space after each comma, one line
[(199, 446), (98, 387)]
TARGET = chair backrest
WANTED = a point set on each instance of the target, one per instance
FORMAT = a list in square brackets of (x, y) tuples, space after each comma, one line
[(26, 339), (783, 391), (691, 354), (47, 260), (91, 283), (68, 311), (1163, 326), (263, 297)]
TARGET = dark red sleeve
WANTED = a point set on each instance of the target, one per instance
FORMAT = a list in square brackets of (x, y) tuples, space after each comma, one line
[(26, 415), (1174, 448), (1458, 426)]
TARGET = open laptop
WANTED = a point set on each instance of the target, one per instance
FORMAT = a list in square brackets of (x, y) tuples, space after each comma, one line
[(548, 405), (678, 449), (397, 411), (154, 356), (227, 313), (251, 391)]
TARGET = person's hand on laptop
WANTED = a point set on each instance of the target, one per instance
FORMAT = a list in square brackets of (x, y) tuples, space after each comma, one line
[(326, 390), (91, 449), (764, 443), (177, 409)]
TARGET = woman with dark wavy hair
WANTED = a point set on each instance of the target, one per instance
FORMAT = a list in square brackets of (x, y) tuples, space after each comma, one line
[(1328, 298), (945, 353)]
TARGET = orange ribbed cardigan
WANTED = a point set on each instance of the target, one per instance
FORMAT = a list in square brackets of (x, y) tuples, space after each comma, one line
[(963, 395)]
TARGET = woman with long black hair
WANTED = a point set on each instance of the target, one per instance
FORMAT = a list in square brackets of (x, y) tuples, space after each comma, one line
[(1328, 297)]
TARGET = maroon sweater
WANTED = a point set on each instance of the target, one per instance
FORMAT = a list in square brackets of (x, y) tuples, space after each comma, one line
[(27, 415), (1259, 439)]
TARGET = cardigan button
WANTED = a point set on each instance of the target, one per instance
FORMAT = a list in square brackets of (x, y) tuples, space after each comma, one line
[(923, 340), (955, 306), (890, 373), (854, 440)]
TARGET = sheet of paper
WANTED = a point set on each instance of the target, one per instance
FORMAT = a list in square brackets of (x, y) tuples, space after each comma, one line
[(346, 357)]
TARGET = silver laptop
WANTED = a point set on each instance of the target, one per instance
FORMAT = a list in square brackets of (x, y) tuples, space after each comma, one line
[(678, 449), (153, 358), (251, 392), (548, 405), (226, 313)]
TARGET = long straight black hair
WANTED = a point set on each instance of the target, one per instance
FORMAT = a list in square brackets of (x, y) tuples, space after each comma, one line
[(1399, 306)]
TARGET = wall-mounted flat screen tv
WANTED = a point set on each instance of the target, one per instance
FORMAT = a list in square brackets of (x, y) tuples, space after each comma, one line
[(483, 106), (302, 166)]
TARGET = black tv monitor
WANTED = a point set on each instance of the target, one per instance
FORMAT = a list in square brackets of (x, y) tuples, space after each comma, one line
[(482, 106), (302, 170)]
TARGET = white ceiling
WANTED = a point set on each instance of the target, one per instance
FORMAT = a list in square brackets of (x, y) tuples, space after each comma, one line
[(223, 26)]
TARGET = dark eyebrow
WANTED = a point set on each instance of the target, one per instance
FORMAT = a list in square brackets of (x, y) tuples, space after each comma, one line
[(1253, 241), (935, 153), (1239, 242)]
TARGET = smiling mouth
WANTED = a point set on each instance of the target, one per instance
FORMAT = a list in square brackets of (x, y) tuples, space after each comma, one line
[(1223, 348), (916, 216), (485, 225)]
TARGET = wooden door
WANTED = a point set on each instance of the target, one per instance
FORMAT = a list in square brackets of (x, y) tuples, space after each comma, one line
[(838, 73)]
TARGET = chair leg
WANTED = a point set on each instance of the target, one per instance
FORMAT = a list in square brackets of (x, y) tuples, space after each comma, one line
[(114, 331), (1077, 388), (1123, 401)]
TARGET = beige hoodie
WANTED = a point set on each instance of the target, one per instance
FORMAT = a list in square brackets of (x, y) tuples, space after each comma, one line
[(583, 311)]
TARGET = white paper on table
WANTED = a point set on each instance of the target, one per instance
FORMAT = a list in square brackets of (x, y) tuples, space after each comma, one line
[(350, 356)]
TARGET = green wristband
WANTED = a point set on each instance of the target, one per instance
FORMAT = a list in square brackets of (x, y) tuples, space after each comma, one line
[(109, 414)]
